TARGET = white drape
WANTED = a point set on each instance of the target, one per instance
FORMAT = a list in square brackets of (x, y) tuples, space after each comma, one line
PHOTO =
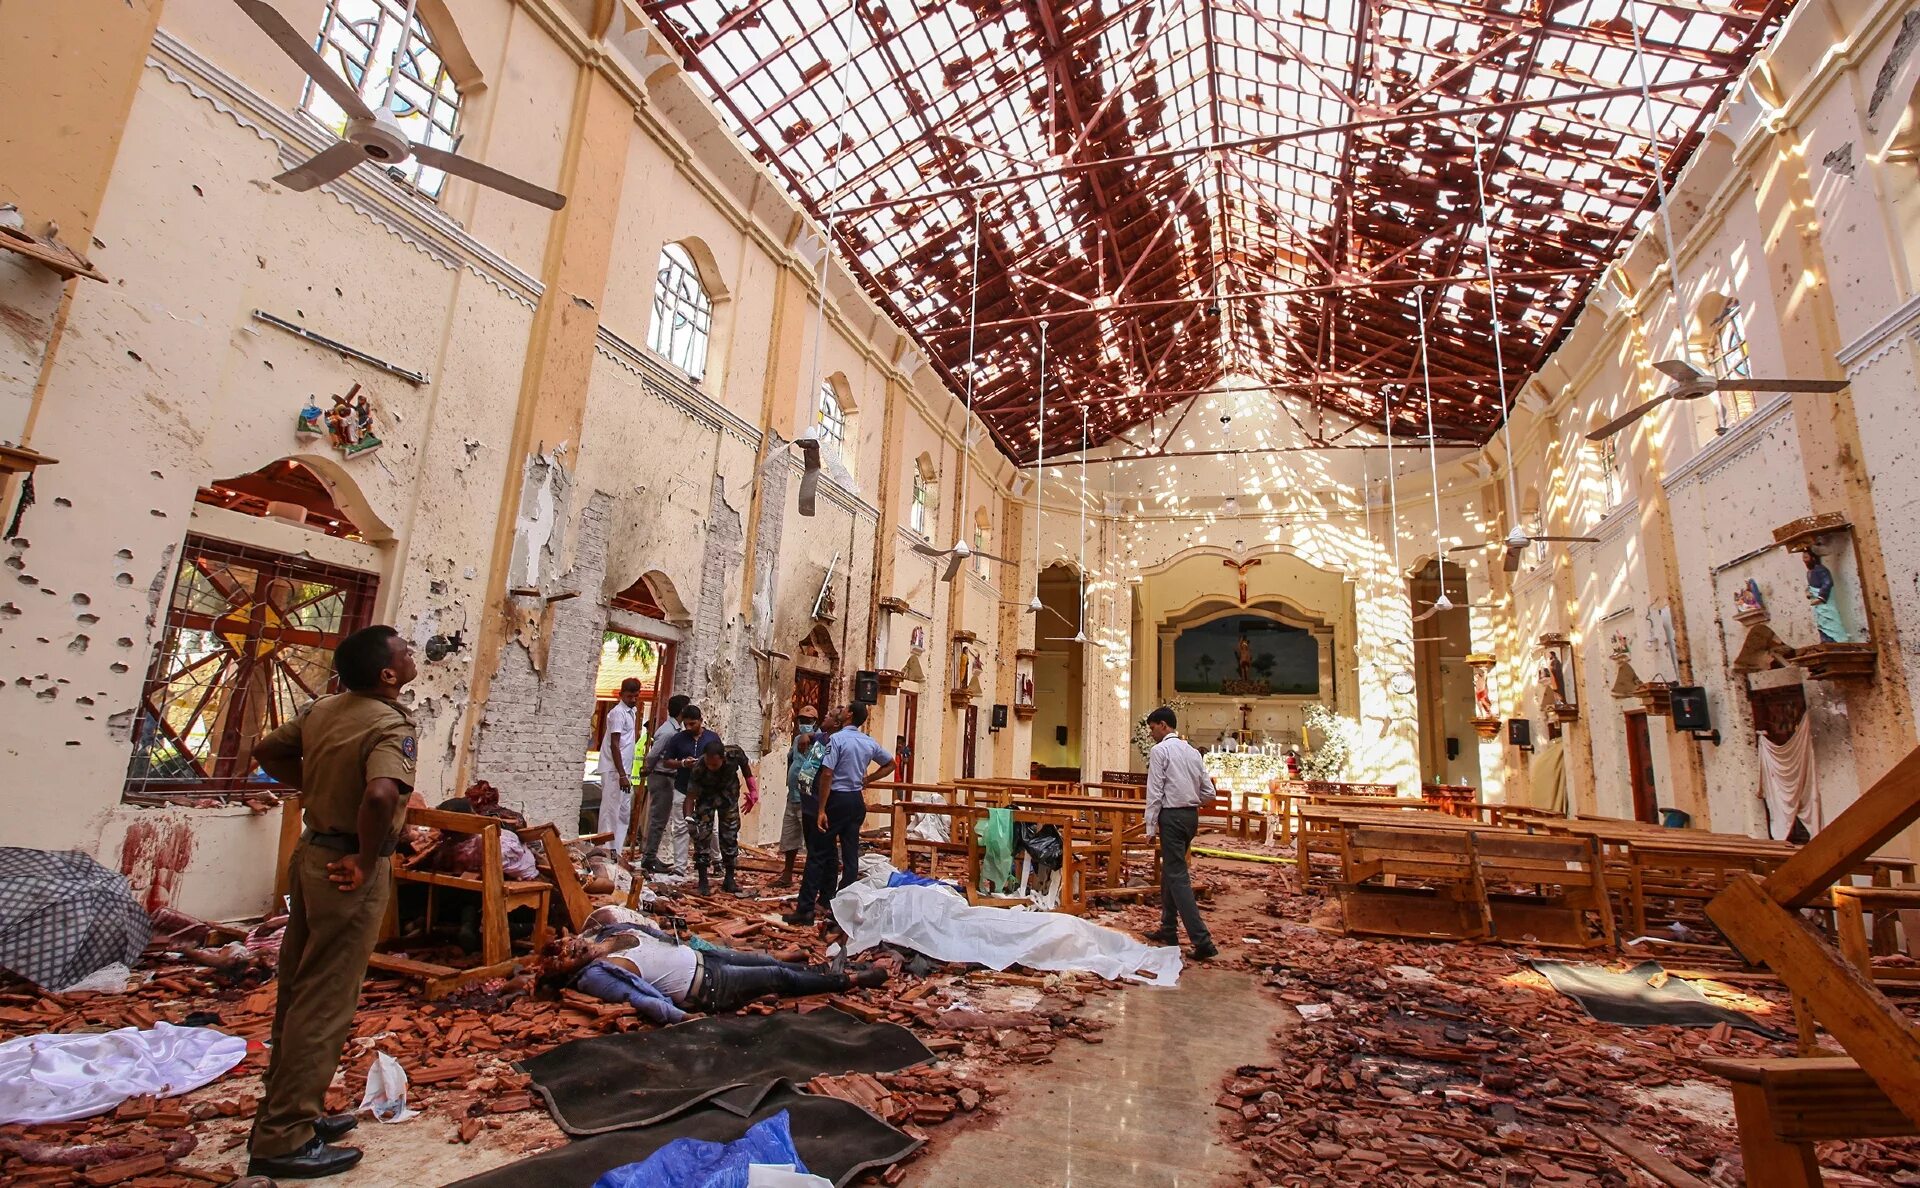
[(1788, 784)]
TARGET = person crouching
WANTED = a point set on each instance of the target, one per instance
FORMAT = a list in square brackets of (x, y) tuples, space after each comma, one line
[(713, 798)]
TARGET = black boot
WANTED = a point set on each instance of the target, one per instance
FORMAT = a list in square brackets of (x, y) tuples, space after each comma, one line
[(703, 888), (731, 885)]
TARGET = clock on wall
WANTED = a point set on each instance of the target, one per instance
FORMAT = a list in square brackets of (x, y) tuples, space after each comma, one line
[(1400, 684)]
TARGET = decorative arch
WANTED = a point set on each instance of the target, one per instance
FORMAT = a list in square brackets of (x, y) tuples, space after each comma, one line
[(653, 596), (309, 490), (1304, 641), (681, 329)]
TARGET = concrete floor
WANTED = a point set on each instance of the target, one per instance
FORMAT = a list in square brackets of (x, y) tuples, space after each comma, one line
[(1135, 1110)]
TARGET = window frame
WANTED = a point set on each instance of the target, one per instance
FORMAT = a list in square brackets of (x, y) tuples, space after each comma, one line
[(422, 119), (831, 427), (681, 329), (1729, 357)]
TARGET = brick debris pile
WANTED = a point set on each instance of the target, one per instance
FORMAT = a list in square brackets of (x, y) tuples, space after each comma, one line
[(458, 1053), (1428, 1063)]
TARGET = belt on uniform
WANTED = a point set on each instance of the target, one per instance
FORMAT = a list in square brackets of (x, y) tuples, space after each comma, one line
[(341, 842)]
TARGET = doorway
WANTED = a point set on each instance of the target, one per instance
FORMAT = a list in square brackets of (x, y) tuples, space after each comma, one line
[(969, 742), (1059, 673), (904, 743), (1443, 684), (1640, 769)]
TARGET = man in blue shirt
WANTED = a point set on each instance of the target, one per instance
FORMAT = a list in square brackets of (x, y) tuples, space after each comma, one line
[(835, 809), (804, 758)]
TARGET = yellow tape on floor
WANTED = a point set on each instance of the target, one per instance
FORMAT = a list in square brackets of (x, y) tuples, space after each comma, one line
[(1238, 856)]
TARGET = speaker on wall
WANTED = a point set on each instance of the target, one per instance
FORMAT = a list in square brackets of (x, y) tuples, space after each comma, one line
[(1690, 708), (1520, 733), (999, 719), (1060, 735), (866, 687)]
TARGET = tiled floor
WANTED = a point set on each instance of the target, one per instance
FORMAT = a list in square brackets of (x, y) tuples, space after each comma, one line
[(1136, 1110)]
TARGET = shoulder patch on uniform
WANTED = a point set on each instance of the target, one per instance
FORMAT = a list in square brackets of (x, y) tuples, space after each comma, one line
[(407, 746)]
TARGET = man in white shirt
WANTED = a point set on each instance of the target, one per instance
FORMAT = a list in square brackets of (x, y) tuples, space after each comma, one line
[(616, 763), (1177, 785)]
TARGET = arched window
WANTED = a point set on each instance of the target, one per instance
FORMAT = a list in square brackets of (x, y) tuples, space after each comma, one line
[(982, 540), (357, 38), (1726, 348), (1612, 486), (682, 313), (831, 417), (920, 512)]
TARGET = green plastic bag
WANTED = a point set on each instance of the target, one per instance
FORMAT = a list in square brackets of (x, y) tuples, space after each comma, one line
[(996, 859)]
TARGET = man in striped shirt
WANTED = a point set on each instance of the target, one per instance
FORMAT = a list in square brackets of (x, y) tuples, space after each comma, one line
[(1177, 785)]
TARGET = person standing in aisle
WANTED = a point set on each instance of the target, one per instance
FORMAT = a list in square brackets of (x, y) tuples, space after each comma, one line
[(804, 756), (616, 764), (351, 755), (837, 808), (1177, 785), (660, 784)]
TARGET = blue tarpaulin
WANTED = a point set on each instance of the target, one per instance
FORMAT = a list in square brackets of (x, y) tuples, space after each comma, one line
[(697, 1163)]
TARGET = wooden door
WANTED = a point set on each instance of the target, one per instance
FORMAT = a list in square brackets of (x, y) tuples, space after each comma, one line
[(969, 741), (908, 738), (1640, 768)]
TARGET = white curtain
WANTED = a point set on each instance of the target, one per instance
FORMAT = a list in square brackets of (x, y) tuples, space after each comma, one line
[(1788, 784)]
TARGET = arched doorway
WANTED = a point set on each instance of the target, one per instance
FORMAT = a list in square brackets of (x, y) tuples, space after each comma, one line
[(641, 641), (274, 575), (816, 666), (1059, 677)]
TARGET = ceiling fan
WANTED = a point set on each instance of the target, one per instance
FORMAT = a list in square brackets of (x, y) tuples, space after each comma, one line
[(373, 136), (1691, 383), (1516, 542)]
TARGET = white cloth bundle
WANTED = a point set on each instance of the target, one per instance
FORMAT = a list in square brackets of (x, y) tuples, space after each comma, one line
[(935, 921), (1788, 782), (57, 1078)]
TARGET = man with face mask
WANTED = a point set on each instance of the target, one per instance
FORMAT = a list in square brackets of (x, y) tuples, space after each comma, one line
[(809, 747)]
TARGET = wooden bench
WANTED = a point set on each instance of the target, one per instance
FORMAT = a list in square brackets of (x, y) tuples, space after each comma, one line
[(1478, 883), (1784, 1106)]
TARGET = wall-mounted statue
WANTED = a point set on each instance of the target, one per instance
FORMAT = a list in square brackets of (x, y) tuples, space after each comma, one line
[(1826, 616), (1748, 603), (349, 423)]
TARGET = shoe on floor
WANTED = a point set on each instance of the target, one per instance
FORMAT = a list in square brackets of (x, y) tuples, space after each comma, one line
[(310, 1162), (655, 866), (332, 1127), (800, 918), (871, 978), (1206, 952), (1158, 937)]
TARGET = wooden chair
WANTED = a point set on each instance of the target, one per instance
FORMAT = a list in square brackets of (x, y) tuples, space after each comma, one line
[(1784, 1105)]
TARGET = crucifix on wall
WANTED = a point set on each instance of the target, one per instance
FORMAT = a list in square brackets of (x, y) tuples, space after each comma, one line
[(1241, 568)]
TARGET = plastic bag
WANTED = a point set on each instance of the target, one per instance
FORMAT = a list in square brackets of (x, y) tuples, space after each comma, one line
[(996, 843), (386, 1095), (772, 1175), (697, 1163), (1042, 844), (108, 979)]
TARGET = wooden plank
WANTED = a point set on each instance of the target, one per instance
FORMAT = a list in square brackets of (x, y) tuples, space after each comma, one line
[(1892, 804), (1646, 1158), (559, 870), (1770, 1162), (1845, 1001)]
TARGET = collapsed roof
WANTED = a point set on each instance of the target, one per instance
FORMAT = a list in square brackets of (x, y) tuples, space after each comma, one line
[(1183, 191)]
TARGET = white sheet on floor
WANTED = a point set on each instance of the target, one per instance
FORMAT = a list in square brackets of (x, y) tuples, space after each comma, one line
[(945, 927), (57, 1078)]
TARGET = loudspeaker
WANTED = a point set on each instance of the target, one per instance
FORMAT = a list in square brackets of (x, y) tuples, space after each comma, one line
[(1453, 748), (1060, 735), (1690, 709), (999, 719), (1520, 733), (866, 687)]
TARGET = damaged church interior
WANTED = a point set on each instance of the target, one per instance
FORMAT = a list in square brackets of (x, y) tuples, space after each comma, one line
[(1115, 592)]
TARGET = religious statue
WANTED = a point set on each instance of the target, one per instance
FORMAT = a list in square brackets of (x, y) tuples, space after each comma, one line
[(1026, 688), (1558, 676), (349, 423), (962, 668), (1243, 657), (1241, 568), (312, 421), (1482, 694), (1747, 600), (1826, 616)]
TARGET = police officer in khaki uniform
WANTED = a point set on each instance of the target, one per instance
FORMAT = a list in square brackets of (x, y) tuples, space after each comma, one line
[(352, 755)]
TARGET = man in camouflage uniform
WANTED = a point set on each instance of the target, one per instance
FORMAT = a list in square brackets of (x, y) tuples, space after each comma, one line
[(713, 796)]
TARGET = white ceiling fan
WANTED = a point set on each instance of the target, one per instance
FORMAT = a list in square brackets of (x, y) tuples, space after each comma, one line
[(1689, 382), (373, 136), (1516, 543), (957, 555)]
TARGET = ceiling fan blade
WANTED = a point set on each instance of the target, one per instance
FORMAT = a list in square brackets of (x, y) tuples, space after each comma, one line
[(334, 161), (487, 175), (1779, 385), (1511, 563), (954, 563), (993, 557), (306, 57), (1680, 370), (1627, 418), (1424, 615), (926, 549), (1568, 539), (810, 476), (1483, 544)]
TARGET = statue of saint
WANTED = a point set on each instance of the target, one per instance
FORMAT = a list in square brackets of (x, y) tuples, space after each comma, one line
[(1826, 616), (1243, 656)]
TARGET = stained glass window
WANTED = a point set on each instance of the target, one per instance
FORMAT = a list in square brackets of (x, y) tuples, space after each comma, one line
[(357, 38)]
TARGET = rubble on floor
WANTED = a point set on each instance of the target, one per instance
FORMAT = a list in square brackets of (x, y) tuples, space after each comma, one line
[(459, 1053), (1426, 1063)]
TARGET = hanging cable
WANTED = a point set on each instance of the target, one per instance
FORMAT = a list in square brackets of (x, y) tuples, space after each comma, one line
[(1660, 183), (1433, 453), (1039, 467), (1493, 307)]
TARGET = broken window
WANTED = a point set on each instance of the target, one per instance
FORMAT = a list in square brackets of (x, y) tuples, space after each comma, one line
[(921, 511), (982, 537), (682, 313), (357, 39), (1727, 359), (249, 640), (831, 417)]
